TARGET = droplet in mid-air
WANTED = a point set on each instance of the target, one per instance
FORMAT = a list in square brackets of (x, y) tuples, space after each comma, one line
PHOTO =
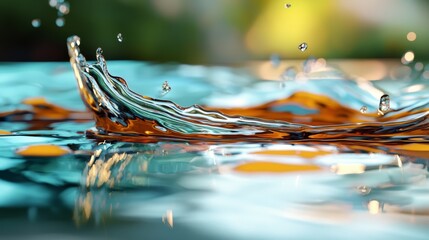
[(363, 109), (63, 8), (303, 46), (60, 22), (411, 36), (99, 54), (419, 66), (119, 37), (384, 105), (165, 88), (99, 51), (53, 3), (408, 57), (36, 23), (288, 5)]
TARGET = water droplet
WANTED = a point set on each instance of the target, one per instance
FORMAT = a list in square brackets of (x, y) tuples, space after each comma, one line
[(53, 3), (363, 109), (303, 46), (364, 190), (419, 66), (60, 22), (99, 55), (165, 88), (288, 5), (425, 74), (74, 41), (64, 8), (384, 105), (408, 57), (411, 36), (99, 51), (119, 37), (36, 22)]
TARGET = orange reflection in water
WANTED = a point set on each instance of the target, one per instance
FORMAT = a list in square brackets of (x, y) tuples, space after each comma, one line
[(328, 111), (274, 167), (4, 132), (43, 109), (44, 150), (42, 113)]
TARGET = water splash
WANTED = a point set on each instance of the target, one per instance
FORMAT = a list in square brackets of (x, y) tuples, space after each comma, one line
[(122, 113)]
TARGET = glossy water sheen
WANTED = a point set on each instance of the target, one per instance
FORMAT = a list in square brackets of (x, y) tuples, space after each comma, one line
[(209, 172)]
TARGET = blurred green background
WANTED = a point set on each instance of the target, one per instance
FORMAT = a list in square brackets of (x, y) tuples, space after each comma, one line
[(216, 31)]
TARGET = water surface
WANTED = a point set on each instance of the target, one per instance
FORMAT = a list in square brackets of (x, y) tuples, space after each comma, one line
[(158, 187)]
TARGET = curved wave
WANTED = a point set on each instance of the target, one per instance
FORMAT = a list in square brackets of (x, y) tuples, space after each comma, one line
[(121, 113)]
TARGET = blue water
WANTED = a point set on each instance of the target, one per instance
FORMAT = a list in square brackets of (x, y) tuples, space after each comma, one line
[(179, 190)]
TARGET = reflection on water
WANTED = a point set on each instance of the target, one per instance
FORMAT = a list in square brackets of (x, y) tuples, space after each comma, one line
[(96, 189)]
